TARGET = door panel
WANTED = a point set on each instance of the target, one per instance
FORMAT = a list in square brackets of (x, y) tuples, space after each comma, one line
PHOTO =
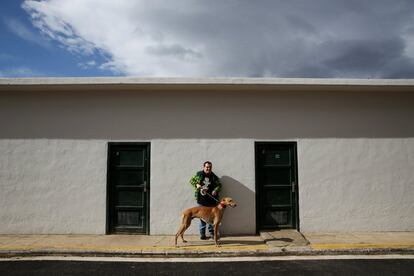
[(129, 177), (279, 176), (275, 219), (276, 185), (128, 188), (278, 197), (128, 218)]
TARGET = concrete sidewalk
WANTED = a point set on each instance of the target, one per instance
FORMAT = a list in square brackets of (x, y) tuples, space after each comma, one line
[(275, 243)]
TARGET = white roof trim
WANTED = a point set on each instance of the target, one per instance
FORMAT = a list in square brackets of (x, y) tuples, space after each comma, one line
[(205, 81)]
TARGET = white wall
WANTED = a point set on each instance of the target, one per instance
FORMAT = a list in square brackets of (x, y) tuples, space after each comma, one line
[(356, 184), (173, 162), (355, 154), (52, 186), (59, 186)]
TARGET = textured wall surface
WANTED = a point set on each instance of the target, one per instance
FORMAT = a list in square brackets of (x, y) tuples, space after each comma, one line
[(356, 184), (59, 186), (52, 186)]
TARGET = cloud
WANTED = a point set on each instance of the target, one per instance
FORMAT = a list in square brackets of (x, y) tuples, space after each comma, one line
[(271, 38), (87, 65), (19, 29), (47, 17)]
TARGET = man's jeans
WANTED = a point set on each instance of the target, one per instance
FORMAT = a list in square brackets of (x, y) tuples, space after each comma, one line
[(202, 227)]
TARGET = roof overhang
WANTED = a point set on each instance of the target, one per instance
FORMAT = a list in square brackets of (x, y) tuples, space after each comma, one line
[(136, 83)]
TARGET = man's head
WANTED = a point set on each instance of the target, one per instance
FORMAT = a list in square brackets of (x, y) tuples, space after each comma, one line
[(207, 167)]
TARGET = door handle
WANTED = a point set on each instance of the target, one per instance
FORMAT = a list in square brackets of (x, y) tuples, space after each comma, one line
[(293, 187), (145, 186)]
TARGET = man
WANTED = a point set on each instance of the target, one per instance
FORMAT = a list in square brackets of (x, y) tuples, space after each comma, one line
[(206, 188)]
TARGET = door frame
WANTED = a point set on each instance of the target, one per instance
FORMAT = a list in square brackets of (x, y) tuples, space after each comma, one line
[(293, 144), (110, 145)]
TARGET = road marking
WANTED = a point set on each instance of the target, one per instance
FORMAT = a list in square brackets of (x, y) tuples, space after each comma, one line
[(208, 259)]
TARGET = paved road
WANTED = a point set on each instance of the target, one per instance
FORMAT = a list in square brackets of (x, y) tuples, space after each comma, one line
[(352, 267)]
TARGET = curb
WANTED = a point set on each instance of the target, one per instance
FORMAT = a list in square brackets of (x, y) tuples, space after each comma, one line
[(285, 251)]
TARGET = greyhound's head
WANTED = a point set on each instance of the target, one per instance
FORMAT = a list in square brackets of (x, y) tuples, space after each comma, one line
[(228, 201)]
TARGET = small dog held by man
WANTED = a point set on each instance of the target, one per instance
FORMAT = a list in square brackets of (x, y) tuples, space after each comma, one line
[(211, 215)]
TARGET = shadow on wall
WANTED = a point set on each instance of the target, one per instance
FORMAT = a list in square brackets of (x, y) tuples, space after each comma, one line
[(264, 114), (242, 219)]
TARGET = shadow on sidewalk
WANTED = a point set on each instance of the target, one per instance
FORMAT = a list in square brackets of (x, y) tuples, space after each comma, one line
[(280, 239), (241, 242)]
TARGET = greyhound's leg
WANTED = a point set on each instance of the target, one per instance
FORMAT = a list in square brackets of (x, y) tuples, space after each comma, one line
[(178, 233), (216, 228), (184, 225)]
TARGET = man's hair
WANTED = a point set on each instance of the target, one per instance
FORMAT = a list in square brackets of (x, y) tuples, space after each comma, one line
[(207, 162)]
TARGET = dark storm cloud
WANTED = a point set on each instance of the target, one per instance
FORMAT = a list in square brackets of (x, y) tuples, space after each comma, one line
[(306, 38), (360, 55), (368, 57)]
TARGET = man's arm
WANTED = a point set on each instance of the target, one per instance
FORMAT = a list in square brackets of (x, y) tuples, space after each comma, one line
[(218, 186)]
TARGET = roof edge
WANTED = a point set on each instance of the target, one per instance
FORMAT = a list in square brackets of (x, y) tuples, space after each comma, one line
[(204, 81)]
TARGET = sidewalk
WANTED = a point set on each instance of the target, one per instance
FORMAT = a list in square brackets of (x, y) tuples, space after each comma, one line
[(276, 243)]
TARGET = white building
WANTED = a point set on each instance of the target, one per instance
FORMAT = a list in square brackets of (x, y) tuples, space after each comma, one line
[(106, 155)]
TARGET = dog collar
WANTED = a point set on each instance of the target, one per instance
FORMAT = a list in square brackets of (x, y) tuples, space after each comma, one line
[(222, 205)]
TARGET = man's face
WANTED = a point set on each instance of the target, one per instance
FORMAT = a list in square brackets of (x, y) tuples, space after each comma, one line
[(207, 169)]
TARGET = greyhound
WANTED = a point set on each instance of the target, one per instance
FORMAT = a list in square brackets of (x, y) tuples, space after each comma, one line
[(211, 215)]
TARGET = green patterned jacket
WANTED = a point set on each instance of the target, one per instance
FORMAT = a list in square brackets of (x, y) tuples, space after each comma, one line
[(198, 178)]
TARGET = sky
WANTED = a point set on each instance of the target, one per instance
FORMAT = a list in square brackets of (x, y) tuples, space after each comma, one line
[(214, 38)]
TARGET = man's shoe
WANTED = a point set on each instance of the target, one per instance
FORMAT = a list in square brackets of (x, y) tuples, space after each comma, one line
[(204, 238)]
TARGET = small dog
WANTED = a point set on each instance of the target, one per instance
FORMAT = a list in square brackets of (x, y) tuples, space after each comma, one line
[(211, 215)]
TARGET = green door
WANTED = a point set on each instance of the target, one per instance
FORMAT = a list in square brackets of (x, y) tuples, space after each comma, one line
[(128, 188), (276, 185)]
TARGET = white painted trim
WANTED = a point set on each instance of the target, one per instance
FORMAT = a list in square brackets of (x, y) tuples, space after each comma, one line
[(205, 81)]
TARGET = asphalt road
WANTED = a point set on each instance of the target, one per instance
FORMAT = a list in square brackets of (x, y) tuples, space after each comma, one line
[(352, 267)]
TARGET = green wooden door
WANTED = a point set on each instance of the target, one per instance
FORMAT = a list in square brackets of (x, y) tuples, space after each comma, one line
[(276, 185), (128, 188)]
